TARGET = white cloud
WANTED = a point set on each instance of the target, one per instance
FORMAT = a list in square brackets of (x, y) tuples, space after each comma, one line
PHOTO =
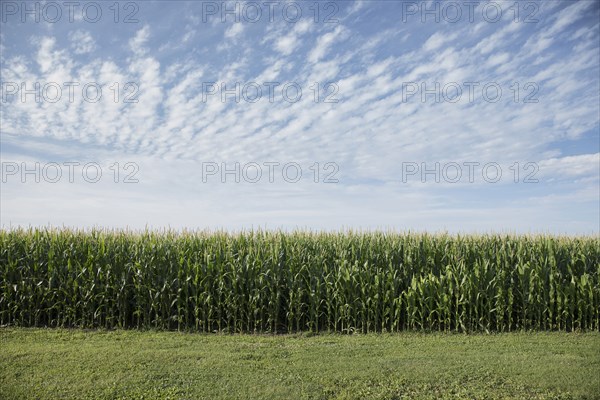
[(584, 165), (325, 42), (188, 35), (438, 39), (139, 40), (356, 6), (568, 16), (234, 31), (82, 42), (287, 43)]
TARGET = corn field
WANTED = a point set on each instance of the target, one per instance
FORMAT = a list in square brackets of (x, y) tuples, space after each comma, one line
[(299, 281)]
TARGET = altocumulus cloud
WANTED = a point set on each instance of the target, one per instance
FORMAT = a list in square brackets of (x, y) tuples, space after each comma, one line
[(369, 105)]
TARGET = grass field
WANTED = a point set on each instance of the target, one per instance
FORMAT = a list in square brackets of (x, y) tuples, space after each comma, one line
[(77, 364)]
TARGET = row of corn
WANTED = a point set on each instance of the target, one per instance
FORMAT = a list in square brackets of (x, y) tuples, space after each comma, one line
[(264, 281)]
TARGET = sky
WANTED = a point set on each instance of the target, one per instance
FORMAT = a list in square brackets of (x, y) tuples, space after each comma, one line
[(466, 116)]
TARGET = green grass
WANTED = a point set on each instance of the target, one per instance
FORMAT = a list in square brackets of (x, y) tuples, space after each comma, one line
[(77, 364), (299, 281)]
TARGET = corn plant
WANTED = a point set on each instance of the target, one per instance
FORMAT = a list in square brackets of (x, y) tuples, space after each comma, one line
[(261, 281)]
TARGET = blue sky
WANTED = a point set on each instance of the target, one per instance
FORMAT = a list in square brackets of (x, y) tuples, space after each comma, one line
[(370, 59)]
